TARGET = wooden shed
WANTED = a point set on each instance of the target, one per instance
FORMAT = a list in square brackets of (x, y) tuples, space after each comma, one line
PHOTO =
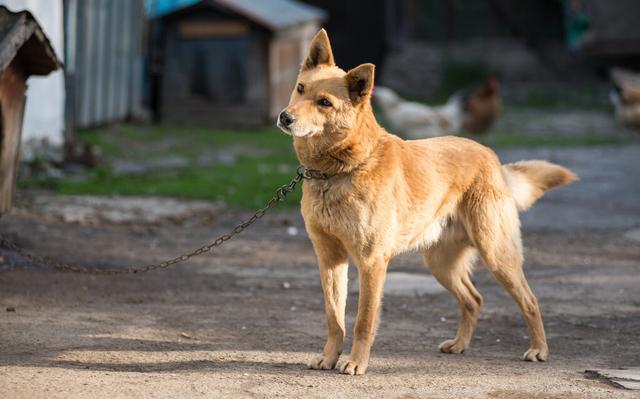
[(229, 62), (24, 51)]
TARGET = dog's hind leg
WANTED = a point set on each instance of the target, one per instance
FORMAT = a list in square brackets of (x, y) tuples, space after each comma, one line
[(450, 263), (332, 262), (494, 228)]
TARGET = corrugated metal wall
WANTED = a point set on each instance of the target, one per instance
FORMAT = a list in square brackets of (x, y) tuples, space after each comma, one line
[(104, 60)]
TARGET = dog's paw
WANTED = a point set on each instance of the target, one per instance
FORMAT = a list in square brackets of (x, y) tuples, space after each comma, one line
[(323, 362), (536, 355), (353, 367), (452, 346)]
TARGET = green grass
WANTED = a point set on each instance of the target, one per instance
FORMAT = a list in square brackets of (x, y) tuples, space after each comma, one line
[(262, 160), (246, 183)]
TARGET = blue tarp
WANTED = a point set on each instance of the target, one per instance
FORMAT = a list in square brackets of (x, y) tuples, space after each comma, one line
[(272, 14), (156, 8)]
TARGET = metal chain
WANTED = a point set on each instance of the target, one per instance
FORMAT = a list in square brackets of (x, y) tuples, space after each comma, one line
[(281, 195)]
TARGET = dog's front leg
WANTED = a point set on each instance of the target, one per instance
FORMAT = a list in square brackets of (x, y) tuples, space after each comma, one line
[(372, 275), (332, 261)]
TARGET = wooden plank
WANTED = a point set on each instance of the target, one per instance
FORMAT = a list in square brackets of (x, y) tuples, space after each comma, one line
[(212, 29), (12, 101), (625, 378), (285, 59)]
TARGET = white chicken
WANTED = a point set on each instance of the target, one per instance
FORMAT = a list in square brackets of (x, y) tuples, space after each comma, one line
[(473, 111), (415, 120)]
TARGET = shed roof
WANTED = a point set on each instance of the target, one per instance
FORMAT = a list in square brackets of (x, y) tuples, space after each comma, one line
[(20, 34), (271, 14)]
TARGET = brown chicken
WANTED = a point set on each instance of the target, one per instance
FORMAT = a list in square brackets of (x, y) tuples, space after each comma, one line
[(626, 97), (481, 107), (474, 112)]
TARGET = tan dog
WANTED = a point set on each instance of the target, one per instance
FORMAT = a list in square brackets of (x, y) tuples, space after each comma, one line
[(448, 197)]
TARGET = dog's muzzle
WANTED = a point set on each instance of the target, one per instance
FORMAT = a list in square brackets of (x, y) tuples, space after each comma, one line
[(291, 126), (285, 119)]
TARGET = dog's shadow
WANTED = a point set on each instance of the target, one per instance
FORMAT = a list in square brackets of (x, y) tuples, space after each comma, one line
[(109, 349), (177, 366)]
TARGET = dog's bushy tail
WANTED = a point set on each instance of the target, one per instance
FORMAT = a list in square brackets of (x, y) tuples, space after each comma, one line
[(529, 180)]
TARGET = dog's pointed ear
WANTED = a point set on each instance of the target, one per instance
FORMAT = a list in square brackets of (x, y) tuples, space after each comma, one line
[(320, 52), (360, 82)]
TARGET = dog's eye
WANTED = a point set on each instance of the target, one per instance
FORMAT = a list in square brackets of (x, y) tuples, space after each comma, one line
[(300, 88), (324, 102)]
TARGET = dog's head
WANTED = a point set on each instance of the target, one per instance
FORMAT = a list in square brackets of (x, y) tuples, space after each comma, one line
[(326, 100)]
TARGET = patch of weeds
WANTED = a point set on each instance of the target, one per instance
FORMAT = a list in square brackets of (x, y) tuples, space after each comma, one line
[(95, 137)]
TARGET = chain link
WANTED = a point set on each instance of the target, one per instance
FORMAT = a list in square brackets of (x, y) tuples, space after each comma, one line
[(302, 173)]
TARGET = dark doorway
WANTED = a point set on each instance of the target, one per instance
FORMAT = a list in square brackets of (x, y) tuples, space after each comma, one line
[(211, 70)]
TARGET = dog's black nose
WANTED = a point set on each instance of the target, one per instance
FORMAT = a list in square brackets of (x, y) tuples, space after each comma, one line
[(286, 118)]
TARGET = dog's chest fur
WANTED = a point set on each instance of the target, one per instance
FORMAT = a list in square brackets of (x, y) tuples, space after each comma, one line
[(337, 207)]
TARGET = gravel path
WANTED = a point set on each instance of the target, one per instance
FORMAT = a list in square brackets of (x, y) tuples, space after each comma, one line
[(243, 322)]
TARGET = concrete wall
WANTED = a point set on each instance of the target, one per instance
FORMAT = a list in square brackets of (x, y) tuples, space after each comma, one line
[(44, 114)]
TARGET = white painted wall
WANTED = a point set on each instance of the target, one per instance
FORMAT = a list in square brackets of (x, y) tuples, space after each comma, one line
[(44, 114)]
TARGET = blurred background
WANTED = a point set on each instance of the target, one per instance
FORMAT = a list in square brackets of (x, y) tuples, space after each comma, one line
[(138, 130), (179, 97)]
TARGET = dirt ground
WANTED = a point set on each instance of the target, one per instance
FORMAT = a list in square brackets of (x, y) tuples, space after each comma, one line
[(243, 321)]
